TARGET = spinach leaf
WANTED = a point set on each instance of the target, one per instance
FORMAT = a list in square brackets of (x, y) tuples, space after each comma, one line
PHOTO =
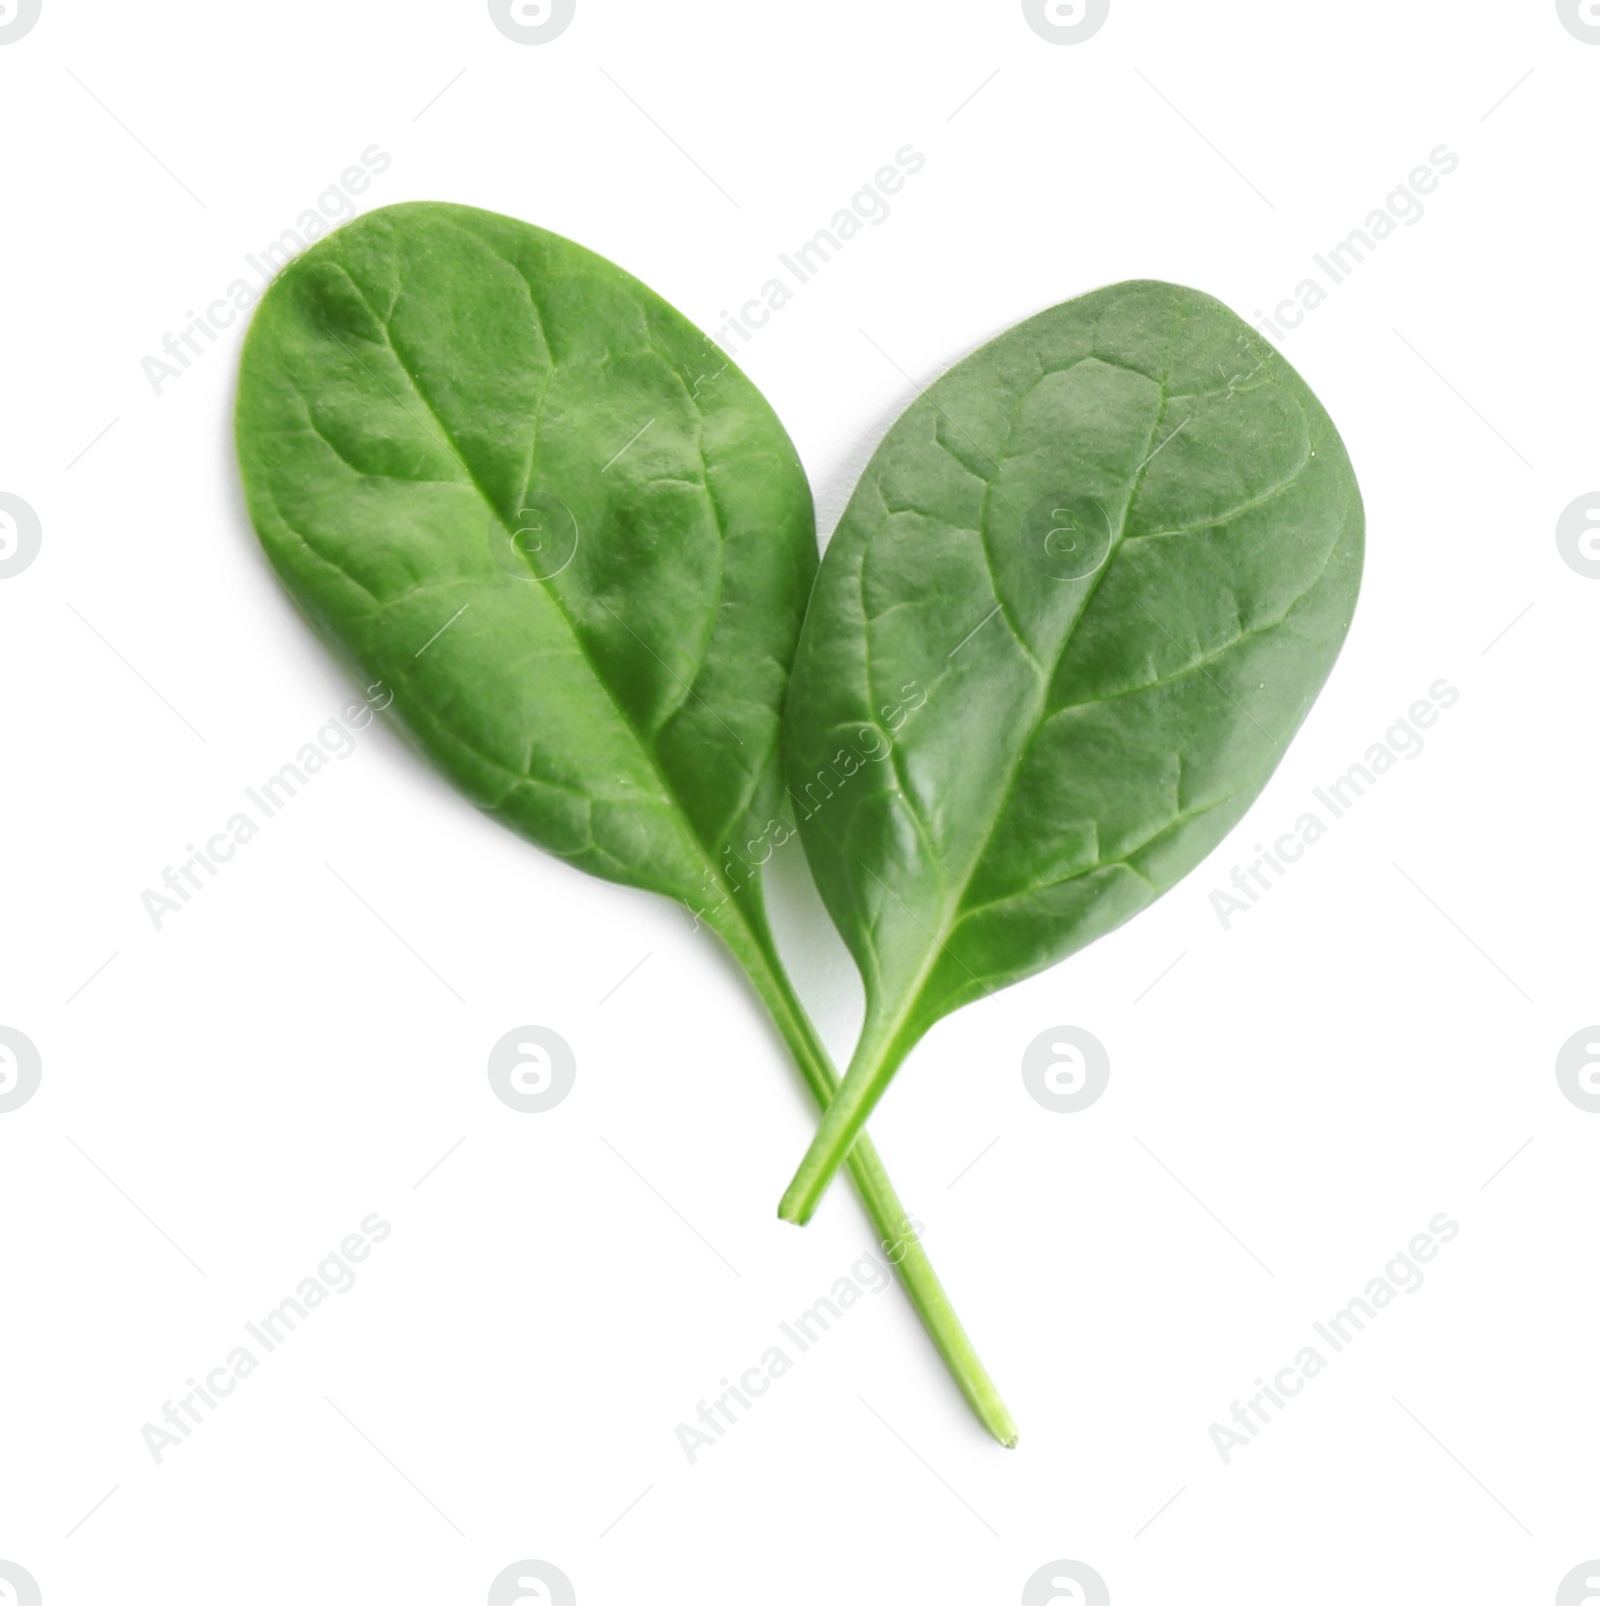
[(510, 482), (1083, 596)]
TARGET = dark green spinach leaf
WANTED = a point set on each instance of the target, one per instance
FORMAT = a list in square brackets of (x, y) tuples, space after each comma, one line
[(1080, 601)]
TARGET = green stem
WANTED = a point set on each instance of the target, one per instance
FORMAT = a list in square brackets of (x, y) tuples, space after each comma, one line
[(753, 946), (876, 1059)]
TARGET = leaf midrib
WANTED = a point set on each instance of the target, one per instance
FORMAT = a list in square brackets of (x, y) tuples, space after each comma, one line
[(668, 791), (951, 915)]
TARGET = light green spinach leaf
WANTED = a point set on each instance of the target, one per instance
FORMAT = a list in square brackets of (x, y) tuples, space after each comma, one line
[(1081, 599), (508, 481)]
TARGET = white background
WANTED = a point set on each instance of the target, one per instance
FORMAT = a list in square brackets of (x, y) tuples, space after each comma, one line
[(1368, 1046)]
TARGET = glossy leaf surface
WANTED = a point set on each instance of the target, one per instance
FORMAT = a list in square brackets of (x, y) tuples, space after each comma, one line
[(1081, 599), (517, 487)]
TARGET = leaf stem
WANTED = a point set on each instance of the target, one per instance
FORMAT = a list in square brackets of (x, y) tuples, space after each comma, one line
[(753, 946), (876, 1059)]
